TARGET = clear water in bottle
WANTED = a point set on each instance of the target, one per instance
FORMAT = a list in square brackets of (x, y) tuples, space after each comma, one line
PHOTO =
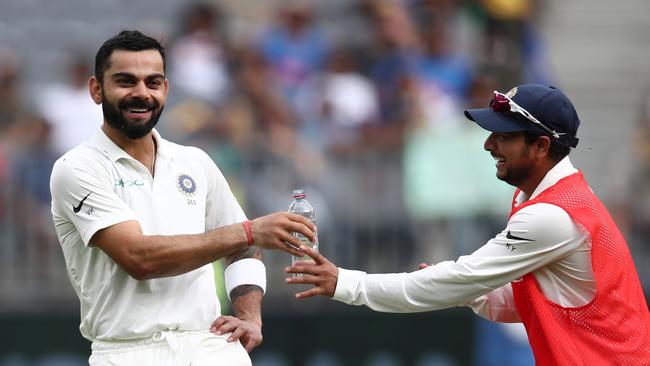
[(301, 206)]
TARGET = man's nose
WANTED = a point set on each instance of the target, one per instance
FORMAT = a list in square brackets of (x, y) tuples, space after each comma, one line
[(488, 145), (140, 90)]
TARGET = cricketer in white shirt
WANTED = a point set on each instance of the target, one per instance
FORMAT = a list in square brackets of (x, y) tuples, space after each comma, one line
[(140, 221), (96, 185)]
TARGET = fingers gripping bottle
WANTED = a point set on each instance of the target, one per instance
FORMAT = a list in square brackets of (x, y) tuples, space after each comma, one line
[(301, 206)]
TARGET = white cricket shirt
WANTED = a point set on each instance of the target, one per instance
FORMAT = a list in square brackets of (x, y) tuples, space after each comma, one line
[(540, 238), (96, 185)]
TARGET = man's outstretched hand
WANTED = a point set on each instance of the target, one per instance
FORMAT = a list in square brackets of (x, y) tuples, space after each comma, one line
[(320, 272)]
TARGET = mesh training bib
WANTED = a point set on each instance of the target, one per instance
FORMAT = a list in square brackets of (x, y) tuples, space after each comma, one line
[(614, 328)]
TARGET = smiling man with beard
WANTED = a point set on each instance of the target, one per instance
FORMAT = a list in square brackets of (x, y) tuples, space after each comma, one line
[(561, 266), (138, 109), (140, 221)]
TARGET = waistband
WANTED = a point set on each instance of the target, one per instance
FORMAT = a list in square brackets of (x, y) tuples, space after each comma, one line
[(169, 337)]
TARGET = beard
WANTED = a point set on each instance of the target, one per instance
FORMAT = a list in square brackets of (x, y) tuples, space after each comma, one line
[(515, 175), (115, 119)]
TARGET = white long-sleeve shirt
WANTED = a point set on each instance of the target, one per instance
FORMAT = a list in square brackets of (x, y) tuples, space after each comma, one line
[(540, 238)]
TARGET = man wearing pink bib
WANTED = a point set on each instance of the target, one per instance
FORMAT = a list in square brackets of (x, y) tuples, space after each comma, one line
[(561, 266)]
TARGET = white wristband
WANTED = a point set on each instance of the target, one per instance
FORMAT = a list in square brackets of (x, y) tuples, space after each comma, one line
[(247, 271)]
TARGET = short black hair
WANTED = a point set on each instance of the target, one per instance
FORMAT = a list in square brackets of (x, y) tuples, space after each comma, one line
[(555, 151), (130, 40)]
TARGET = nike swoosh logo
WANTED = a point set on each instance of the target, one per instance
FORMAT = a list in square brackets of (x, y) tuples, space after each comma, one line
[(510, 236), (76, 209)]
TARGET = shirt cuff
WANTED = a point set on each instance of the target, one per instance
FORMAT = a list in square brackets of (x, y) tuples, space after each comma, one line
[(347, 285), (247, 271)]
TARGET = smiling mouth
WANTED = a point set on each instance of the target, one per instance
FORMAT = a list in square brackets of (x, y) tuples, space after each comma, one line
[(499, 161), (137, 113), (137, 110)]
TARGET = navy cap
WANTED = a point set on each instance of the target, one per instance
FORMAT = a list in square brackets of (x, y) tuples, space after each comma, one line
[(546, 103)]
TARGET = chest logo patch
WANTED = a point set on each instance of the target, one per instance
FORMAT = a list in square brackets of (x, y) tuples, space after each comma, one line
[(186, 185)]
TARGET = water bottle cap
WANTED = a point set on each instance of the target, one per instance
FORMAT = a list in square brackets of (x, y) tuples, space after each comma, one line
[(299, 193)]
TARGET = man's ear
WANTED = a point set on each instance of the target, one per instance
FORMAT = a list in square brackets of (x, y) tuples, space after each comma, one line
[(543, 145), (95, 89)]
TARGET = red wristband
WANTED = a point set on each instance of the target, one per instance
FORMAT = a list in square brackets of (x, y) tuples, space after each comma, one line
[(249, 232)]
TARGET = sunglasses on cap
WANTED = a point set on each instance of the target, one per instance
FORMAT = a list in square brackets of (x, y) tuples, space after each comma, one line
[(503, 104)]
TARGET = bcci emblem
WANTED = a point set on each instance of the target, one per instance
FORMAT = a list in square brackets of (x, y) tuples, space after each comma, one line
[(186, 185), (512, 92)]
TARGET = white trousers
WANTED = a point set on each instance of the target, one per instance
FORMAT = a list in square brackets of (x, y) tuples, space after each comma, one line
[(171, 348)]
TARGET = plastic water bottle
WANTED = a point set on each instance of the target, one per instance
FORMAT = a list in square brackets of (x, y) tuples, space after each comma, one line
[(301, 206)]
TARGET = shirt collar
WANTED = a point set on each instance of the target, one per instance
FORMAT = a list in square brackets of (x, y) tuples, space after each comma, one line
[(163, 147), (115, 153), (562, 169)]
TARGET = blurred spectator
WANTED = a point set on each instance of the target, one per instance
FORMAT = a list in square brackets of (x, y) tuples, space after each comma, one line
[(271, 117), (458, 17), (350, 99), (450, 38), (12, 106), (514, 49), (73, 115), (4, 181), (396, 51), (440, 68), (11, 100), (294, 47), (637, 216), (31, 164), (198, 56), (336, 105)]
